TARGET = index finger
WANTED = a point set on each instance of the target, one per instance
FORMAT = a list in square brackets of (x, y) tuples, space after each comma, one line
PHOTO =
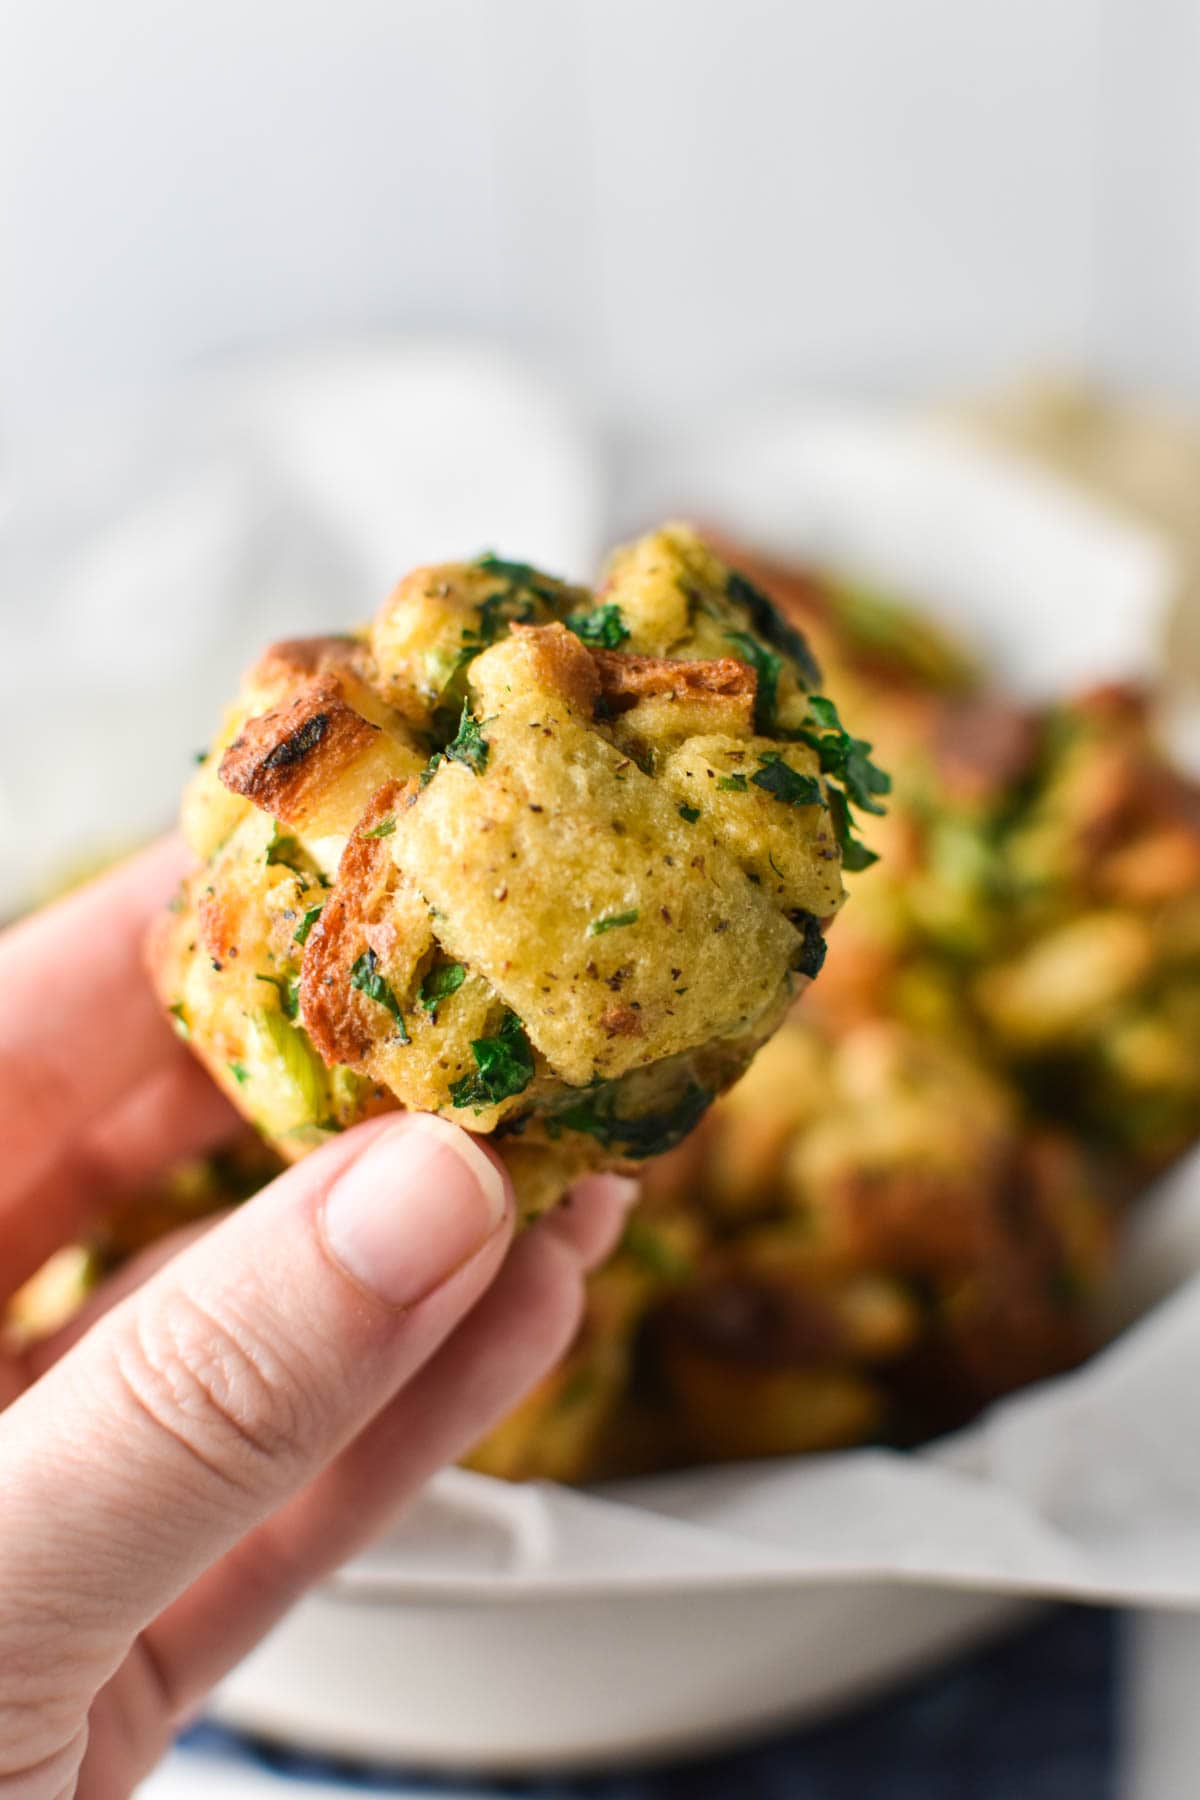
[(79, 1023)]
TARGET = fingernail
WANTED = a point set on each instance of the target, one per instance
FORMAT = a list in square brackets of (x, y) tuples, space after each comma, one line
[(417, 1205)]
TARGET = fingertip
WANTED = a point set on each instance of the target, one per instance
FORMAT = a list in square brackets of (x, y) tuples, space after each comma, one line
[(591, 1217)]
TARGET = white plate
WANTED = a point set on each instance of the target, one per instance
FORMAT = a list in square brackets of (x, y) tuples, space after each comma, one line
[(586, 1682)]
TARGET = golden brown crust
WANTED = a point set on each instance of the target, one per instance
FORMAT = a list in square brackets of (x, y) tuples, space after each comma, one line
[(288, 760), (334, 1014), (290, 660), (626, 679), (560, 664)]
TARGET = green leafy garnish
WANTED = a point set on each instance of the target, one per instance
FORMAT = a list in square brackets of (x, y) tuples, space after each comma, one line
[(810, 957), (288, 989), (522, 576), (366, 978), (611, 921), (469, 746), (300, 936), (282, 848), (201, 756), (855, 855), (595, 1114), (384, 828), (439, 984), (603, 625), (785, 783), (770, 624), (846, 758), (503, 1067), (768, 667), (690, 813), (239, 1072), (181, 1021), (732, 784)]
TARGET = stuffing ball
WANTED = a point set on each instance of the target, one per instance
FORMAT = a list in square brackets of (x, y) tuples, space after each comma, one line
[(546, 862)]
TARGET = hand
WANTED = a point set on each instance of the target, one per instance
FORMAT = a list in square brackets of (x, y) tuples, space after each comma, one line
[(177, 1467)]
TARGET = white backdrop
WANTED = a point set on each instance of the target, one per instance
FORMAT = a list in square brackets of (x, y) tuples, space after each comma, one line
[(671, 200)]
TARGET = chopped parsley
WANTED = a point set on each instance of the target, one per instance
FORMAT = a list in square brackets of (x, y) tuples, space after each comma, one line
[(201, 756), (282, 848), (439, 984), (810, 957), (595, 1114), (768, 667), (181, 1020), (603, 625), (732, 784), (366, 978), (384, 828), (846, 758), (855, 855), (690, 813), (523, 577), (611, 921), (300, 936), (240, 1073), (785, 783), (503, 1067), (770, 624), (468, 746)]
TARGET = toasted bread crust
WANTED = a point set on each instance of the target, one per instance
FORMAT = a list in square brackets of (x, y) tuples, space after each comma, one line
[(625, 679), (333, 1012), (289, 759)]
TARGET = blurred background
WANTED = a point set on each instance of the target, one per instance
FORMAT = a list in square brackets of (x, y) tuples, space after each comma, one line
[(670, 202), (294, 296), (244, 250)]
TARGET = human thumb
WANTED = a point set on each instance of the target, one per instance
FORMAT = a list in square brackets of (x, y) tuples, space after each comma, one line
[(203, 1401)]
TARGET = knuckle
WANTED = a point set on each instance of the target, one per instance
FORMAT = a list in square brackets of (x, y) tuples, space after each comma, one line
[(208, 1376)]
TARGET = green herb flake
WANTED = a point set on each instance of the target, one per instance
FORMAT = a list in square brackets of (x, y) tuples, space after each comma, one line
[(201, 757), (732, 784), (690, 813), (240, 1073), (855, 855), (785, 783), (611, 921), (384, 828), (770, 624), (439, 984), (846, 758), (366, 978), (522, 576), (768, 667), (595, 1114), (282, 849), (181, 1026), (503, 1067), (603, 626), (468, 746), (300, 936)]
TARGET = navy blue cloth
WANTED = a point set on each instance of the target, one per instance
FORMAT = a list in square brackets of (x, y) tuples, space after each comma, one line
[(1030, 1718)]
